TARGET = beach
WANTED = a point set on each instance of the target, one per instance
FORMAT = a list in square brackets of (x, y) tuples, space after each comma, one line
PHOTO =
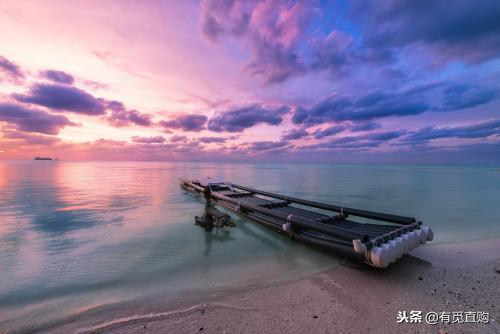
[(350, 298)]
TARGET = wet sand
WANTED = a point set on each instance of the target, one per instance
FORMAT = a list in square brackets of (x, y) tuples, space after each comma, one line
[(351, 298)]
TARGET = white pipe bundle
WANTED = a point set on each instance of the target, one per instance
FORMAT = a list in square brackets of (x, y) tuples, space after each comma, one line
[(387, 253)]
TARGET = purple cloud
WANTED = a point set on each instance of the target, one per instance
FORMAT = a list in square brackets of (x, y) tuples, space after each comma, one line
[(463, 31), (383, 136), (461, 96), (148, 140), (10, 69), (32, 120), (241, 118), (64, 98), (186, 122), (339, 53), (58, 77), (330, 131), (475, 130), (295, 134), (177, 138), (268, 146), (367, 126), (365, 141), (272, 28), (373, 105), (208, 140), (120, 116), (29, 138), (380, 104)]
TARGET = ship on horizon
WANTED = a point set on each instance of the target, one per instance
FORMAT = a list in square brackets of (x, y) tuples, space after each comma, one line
[(43, 158)]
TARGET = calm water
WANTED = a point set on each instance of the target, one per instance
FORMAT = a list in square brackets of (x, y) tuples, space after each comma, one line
[(79, 235)]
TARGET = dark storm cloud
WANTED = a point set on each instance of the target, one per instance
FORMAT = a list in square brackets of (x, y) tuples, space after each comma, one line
[(63, 98), (186, 122), (32, 120), (58, 77), (241, 118)]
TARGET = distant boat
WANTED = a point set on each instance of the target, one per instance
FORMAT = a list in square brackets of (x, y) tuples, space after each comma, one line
[(43, 158)]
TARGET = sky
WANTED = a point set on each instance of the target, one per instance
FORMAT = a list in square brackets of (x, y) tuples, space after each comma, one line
[(240, 80)]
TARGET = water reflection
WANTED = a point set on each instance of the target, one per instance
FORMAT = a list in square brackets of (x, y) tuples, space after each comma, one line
[(218, 236)]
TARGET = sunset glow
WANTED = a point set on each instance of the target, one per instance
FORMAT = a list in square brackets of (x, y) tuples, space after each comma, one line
[(286, 80)]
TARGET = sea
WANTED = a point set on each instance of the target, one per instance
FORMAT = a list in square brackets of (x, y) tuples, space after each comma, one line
[(83, 236)]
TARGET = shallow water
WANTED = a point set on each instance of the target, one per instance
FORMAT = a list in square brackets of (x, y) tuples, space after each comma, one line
[(79, 235)]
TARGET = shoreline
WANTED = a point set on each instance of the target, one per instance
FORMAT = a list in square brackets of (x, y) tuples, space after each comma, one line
[(348, 298)]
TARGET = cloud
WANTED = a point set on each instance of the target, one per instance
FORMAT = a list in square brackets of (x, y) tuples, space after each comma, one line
[(148, 140), (339, 53), (370, 106), (208, 140), (267, 146), (380, 104), (187, 122), (59, 97), (29, 138), (241, 118), (58, 77), (460, 96), (463, 31), (63, 98), (10, 69), (330, 131), (273, 29), (367, 126), (120, 116), (383, 136), (366, 141), (33, 120), (177, 138), (474, 130), (295, 134)]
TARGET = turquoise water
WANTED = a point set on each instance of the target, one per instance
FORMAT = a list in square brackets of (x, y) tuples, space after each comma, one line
[(76, 235)]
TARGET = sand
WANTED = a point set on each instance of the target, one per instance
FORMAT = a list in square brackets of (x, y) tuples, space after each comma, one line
[(351, 298)]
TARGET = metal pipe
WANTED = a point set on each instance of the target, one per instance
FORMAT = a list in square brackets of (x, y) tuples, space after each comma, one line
[(355, 212), (309, 223)]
